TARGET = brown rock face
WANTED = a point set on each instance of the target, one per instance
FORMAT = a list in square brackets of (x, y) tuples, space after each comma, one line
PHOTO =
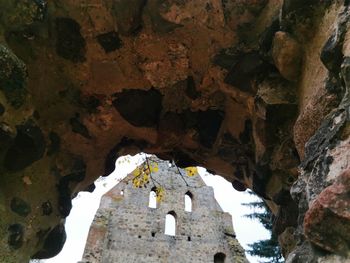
[(256, 91), (287, 241), (286, 53), (327, 222)]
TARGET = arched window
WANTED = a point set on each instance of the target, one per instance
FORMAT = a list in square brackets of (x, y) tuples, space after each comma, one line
[(170, 224), (122, 192), (152, 198), (219, 258), (188, 202)]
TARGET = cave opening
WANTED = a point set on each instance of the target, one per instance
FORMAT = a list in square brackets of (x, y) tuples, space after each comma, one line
[(85, 205)]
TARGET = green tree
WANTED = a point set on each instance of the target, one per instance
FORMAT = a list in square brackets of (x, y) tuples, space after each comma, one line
[(267, 249)]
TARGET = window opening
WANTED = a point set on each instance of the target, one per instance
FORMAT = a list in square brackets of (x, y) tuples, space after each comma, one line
[(152, 198), (188, 202), (170, 224), (219, 258)]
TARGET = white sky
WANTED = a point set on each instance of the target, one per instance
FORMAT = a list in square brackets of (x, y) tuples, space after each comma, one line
[(86, 204)]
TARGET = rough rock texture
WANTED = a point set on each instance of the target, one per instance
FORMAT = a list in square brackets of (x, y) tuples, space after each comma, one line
[(326, 223), (126, 229), (249, 89)]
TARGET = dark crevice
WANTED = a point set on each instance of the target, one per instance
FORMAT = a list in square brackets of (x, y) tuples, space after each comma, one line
[(110, 41), (20, 207), (77, 174), (15, 236), (128, 14), (79, 127), (70, 44), (208, 126), (28, 146), (140, 108), (53, 243)]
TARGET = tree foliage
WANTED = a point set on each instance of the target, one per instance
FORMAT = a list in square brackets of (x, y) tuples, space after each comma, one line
[(267, 249), (142, 174)]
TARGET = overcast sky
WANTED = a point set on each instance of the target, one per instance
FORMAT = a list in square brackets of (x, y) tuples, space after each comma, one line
[(86, 204)]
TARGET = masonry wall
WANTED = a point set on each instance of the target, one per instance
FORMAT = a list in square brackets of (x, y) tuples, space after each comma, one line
[(126, 229)]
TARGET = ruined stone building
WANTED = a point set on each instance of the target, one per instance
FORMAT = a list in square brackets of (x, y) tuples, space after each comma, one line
[(131, 226)]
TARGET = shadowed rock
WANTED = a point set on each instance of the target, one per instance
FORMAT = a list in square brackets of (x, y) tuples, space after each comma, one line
[(110, 41), (70, 44), (327, 222), (139, 107), (53, 243), (28, 146)]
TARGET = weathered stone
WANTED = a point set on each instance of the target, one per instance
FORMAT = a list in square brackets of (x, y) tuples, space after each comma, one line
[(110, 41), (53, 243), (226, 58), (20, 207), (111, 157), (7, 136), (28, 146), (159, 24), (287, 241), (240, 74), (183, 160), (261, 179), (246, 136), (73, 95), (126, 229), (12, 77), (139, 107), (290, 6), (2, 109), (240, 13), (310, 120), (191, 91), (267, 37), (232, 149), (322, 139), (90, 188), (302, 253), (46, 208), (295, 13), (332, 55), (55, 143), (79, 127), (275, 103), (345, 72), (15, 236), (77, 174), (208, 126), (17, 15), (128, 15), (70, 44), (286, 218), (239, 186), (90, 103), (327, 222), (286, 53)]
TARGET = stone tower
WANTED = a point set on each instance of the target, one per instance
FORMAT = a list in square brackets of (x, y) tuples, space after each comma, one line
[(126, 229)]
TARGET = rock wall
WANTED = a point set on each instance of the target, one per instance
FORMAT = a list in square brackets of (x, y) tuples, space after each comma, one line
[(126, 229), (256, 91)]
